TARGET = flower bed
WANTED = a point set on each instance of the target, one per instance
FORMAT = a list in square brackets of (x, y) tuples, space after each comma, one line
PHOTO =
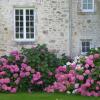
[(80, 77), (18, 73)]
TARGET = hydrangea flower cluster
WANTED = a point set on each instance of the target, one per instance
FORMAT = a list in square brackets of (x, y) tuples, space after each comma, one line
[(65, 80), (82, 76), (79, 77), (12, 74)]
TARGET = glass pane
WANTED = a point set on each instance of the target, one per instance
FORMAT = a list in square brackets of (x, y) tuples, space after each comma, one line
[(17, 23), (85, 6), (83, 43), (89, 6), (83, 49), (27, 23), (17, 35), (17, 29), (31, 12), (21, 35), (85, 1), (27, 35), (87, 43), (32, 35), (21, 23), (27, 12), (17, 12), (31, 18), (27, 29), (21, 18), (88, 48), (32, 29), (17, 18), (90, 1), (27, 18), (31, 23), (21, 29), (21, 12)]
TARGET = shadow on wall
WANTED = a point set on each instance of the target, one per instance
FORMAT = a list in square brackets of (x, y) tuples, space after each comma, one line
[(98, 7)]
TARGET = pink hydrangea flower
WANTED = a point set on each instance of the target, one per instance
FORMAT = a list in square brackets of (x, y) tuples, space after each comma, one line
[(87, 72), (13, 90), (37, 76)]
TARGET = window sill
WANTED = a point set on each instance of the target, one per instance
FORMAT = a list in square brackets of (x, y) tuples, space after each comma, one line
[(24, 40), (84, 53), (87, 11)]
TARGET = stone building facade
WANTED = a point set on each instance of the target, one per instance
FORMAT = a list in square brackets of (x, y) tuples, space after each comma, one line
[(61, 24)]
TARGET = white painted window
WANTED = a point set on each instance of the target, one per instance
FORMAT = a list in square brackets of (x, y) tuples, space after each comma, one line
[(24, 24), (85, 46), (87, 5)]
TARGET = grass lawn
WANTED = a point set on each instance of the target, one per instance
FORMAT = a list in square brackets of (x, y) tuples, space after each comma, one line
[(44, 96)]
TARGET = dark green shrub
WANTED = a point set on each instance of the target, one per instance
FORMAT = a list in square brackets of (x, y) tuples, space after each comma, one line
[(44, 61), (94, 51)]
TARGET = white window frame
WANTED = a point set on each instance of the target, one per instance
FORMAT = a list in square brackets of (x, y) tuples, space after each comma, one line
[(24, 39), (85, 40), (87, 10)]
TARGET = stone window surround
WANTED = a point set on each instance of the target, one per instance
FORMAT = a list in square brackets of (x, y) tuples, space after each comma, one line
[(88, 10), (85, 40), (25, 40)]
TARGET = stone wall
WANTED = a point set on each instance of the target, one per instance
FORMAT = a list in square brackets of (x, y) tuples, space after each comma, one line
[(52, 24), (59, 23), (84, 26)]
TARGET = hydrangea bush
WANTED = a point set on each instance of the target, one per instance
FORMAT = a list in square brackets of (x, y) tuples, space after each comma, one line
[(16, 75), (79, 77), (82, 76)]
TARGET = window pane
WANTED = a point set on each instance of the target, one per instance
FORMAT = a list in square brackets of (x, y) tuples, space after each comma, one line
[(21, 35), (17, 35), (85, 46), (27, 24), (83, 49), (21, 18), (31, 18), (27, 35), (17, 12), (87, 43), (17, 24), (83, 43), (17, 29), (85, 1), (32, 29), (21, 12), (89, 6), (88, 48), (31, 12), (31, 23), (90, 1), (21, 23), (21, 29), (17, 18), (85, 6), (32, 35), (27, 18), (27, 12), (27, 29)]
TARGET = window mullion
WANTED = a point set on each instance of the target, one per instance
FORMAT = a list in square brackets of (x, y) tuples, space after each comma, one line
[(24, 23)]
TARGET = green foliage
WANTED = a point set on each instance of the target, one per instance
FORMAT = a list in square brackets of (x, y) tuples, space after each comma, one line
[(93, 51), (44, 61), (97, 62)]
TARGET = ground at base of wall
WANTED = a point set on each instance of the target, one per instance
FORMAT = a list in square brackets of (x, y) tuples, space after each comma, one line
[(44, 96)]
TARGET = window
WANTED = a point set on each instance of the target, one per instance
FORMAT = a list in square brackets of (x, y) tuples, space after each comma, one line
[(24, 24), (88, 5), (85, 46)]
